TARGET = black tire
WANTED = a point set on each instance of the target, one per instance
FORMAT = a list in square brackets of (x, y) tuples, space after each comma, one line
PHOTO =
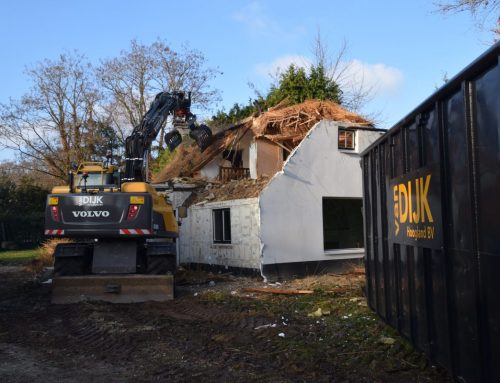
[(65, 266), (161, 264)]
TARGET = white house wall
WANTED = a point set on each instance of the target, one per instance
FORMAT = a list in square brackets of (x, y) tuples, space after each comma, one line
[(196, 235), (252, 157), (291, 205)]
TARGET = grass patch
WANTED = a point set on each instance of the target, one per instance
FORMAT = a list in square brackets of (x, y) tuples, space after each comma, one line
[(19, 256)]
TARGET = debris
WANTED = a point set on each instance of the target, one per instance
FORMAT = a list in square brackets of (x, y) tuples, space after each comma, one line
[(284, 125), (387, 340), (359, 270), (318, 313), (47, 282), (211, 283), (271, 325), (276, 291), (355, 299), (281, 334)]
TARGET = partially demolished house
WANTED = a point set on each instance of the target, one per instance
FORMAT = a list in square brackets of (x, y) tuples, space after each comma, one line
[(279, 193)]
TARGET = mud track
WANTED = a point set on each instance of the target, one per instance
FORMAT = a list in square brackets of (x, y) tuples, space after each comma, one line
[(216, 337)]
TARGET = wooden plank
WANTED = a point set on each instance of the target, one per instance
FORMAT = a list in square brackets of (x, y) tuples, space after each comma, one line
[(276, 291)]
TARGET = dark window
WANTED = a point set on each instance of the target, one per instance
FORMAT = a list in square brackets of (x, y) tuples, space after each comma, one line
[(234, 156), (346, 139), (222, 225), (285, 154), (342, 223)]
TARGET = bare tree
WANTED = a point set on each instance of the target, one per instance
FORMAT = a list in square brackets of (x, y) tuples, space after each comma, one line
[(484, 11), (133, 79), (49, 125), (355, 92)]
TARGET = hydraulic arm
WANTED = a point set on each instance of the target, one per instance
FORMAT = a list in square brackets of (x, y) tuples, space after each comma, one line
[(138, 144)]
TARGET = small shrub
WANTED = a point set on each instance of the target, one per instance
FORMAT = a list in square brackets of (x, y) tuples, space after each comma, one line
[(46, 257)]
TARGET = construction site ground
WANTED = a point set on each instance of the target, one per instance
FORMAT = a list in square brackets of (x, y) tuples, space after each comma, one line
[(216, 330)]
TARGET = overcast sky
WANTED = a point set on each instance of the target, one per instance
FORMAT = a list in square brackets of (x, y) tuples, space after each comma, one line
[(402, 49)]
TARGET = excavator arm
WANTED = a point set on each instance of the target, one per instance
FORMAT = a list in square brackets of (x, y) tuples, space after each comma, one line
[(138, 144)]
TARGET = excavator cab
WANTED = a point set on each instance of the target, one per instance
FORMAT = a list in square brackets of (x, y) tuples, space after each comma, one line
[(95, 176)]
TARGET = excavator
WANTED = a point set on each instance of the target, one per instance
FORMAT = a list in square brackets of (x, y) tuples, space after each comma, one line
[(123, 233)]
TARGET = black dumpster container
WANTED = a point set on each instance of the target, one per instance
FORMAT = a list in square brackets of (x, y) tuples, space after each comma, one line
[(432, 223)]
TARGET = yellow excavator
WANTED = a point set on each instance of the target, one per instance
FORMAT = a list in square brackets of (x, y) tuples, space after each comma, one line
[(124, 233)]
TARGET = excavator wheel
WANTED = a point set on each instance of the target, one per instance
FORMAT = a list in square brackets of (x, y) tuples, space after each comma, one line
[(72, 259), (65, 266), (161, 264)]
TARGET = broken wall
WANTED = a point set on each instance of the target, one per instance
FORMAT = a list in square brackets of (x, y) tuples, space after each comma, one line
[(269, 157), (291, 208), (196, 236)]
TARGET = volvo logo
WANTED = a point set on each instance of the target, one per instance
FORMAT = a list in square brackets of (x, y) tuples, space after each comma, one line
[(91, 213)]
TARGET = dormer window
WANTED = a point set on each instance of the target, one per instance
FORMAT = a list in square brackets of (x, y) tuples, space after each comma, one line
[(346, 139)]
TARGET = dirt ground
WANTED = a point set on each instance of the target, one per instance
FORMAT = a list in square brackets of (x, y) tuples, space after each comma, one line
[(214, 331)]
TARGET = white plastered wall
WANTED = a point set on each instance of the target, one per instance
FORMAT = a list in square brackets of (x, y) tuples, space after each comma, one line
[(196, 235), (291, 204)]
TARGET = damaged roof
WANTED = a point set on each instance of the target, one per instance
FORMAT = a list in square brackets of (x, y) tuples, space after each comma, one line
[(285, 126)]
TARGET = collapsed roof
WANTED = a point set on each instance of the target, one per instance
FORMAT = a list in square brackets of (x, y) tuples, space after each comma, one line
[(285, 126)]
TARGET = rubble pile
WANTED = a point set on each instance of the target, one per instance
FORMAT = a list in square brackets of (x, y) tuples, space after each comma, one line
[(235, 189), (286, 126)]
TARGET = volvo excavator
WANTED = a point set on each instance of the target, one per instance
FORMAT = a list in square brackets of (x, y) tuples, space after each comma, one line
[(123, 232)]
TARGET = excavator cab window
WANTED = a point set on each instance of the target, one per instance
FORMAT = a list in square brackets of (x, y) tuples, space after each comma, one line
[(97, 180), (109, 179), (88, 179)]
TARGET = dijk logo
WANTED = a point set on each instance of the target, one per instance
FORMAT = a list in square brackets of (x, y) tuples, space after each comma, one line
[(89, 200), (412, 206)]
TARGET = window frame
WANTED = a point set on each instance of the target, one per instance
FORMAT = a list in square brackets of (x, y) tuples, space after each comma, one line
[(225, 216), (341, 250), (345, 131)]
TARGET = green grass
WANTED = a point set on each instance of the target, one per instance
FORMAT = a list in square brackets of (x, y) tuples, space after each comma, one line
[(18, 256)]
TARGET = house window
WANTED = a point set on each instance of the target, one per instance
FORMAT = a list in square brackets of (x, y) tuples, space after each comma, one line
[(342, 223), (346, 139), (222, 225)]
